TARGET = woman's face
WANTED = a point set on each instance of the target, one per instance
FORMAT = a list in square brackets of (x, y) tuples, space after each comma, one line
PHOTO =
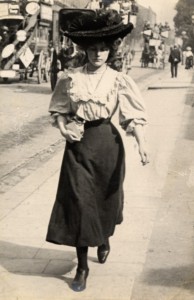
[(98, 54)]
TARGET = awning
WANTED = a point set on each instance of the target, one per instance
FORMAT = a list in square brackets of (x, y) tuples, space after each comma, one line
[(12, 17), (73, 3)]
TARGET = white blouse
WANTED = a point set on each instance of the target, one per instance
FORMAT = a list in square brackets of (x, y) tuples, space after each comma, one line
[(92, 96)]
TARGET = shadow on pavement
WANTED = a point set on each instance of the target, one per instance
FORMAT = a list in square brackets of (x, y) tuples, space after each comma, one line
[(33, 261), (182, 276)]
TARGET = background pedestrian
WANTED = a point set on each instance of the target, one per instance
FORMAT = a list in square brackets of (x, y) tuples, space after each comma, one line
[(174, 59), (127, 60), (188, 58)]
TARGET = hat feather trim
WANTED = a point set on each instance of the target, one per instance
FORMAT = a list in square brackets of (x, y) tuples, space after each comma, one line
[(105, 24)]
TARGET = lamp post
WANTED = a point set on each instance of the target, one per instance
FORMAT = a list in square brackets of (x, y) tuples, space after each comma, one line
[(192, 20)]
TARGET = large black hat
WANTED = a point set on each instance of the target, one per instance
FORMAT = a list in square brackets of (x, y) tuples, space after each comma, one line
[(85, 26)]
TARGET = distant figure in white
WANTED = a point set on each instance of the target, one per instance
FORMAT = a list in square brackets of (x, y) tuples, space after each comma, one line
[(115, 5), (93, 4), (127, 60), (125, 10), (188, 58), (159, 57)]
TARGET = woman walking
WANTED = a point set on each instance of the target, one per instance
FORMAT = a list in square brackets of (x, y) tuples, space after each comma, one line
[(89, 200)]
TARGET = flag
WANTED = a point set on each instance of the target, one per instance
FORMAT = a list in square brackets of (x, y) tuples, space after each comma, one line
[(147, 32)]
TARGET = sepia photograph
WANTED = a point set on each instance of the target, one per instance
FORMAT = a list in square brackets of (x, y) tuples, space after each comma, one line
[(96, 149)]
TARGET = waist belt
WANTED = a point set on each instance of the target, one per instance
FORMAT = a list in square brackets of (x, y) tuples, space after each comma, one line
[(96, 122)]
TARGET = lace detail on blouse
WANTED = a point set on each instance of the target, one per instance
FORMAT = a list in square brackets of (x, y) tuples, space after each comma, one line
[(80, 89)]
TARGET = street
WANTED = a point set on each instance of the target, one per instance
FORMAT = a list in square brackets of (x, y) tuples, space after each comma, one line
[(152, 250)]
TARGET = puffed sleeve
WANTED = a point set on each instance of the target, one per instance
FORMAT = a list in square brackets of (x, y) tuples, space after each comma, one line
[(60, 101), (132, 110)]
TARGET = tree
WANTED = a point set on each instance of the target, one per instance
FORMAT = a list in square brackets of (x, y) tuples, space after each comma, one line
[(183, 21)]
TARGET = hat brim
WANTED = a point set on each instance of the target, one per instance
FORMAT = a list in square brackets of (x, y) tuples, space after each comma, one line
[(110, 33)]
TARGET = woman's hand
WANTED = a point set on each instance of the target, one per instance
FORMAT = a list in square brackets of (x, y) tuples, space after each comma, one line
[(69, 135), (139, 135), (143, 154)]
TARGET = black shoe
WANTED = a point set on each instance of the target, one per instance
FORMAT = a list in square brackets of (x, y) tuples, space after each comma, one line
[(79, 282), (102, 254)]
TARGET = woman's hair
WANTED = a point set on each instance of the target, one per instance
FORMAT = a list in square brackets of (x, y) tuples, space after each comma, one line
[(113, 46)]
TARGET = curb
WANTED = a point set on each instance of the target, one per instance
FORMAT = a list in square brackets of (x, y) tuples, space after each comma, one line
[(169, 87)]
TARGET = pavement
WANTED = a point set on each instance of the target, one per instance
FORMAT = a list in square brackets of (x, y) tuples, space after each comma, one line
[(151, 254)]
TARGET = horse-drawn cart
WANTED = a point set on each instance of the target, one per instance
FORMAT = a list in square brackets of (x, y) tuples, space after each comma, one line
[(24, 40), (154, 45)]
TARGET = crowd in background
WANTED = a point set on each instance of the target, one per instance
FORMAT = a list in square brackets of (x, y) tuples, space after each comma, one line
[(157, 28), (121, 6)]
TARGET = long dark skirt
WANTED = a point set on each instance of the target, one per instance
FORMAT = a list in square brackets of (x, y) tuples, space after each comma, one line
[(89, 201)]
